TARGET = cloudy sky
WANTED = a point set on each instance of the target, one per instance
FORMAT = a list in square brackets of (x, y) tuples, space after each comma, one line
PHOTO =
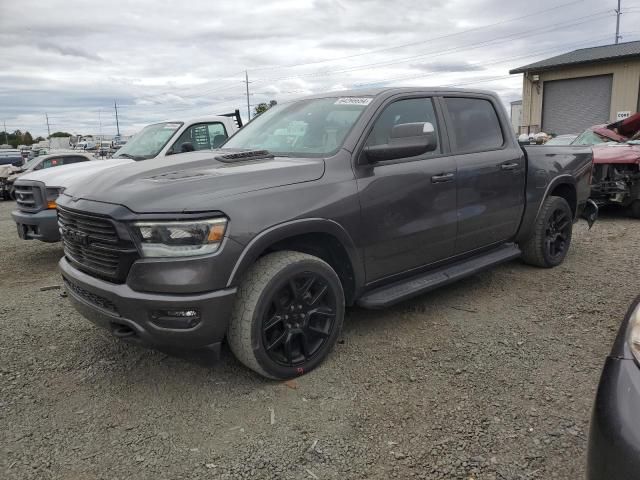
[(164, 59)]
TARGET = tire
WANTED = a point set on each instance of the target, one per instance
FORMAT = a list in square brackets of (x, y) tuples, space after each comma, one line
[(635, 208), (551, 238), (281, 334)]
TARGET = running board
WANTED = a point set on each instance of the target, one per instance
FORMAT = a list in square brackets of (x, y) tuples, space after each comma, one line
[(396, 292)]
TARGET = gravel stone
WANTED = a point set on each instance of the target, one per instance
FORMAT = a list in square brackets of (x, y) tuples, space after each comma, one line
[(489, 378)]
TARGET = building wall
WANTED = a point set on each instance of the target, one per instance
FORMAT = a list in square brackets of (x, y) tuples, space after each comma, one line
[(624, 95), (516, 116)]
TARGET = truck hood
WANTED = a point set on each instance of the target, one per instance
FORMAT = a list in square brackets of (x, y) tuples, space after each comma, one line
[(616, 153), (193, 182), (64, 175)]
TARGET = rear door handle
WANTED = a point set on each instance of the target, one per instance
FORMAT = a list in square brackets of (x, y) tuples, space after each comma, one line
[(445, 177), (509, 166)]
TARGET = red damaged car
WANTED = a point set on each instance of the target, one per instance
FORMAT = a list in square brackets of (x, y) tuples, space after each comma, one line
[(616, 158)]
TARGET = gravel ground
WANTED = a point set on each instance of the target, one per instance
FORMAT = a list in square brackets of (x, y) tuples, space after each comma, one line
[(490, 378)]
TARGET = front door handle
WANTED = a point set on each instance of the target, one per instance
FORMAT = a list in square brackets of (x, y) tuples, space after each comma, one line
[(509, 166), (445, 177)]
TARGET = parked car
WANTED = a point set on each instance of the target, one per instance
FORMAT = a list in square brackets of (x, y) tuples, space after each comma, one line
[(364, 197), (614, 435), (562, 140), (36, 192), (11, 157), (9, 176), (616, 172)]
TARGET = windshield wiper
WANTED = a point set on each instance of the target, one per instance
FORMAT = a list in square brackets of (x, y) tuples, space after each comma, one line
[(132, 157)]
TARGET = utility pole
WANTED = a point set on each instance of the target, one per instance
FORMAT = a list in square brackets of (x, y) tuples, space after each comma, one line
[(115, 105), (100, 122), (246, 80), (46, 116), (618, 13), (6, 139)]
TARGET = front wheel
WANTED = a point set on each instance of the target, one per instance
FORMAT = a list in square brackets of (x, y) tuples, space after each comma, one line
[(551, 238), (287, 316)]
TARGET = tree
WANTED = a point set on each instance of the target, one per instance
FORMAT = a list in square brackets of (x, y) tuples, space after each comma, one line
[(38, 139), (60, 134), (263, 107), (27, 139)]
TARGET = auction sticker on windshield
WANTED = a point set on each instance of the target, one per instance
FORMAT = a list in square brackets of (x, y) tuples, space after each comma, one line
[(354, 101)]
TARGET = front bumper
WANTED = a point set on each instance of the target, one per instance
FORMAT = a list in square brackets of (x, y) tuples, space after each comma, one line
[(41, 225), (128, 313), (614, 437)]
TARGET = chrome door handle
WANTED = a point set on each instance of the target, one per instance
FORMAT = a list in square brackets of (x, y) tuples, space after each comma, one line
[(445, 177), (509, 166)]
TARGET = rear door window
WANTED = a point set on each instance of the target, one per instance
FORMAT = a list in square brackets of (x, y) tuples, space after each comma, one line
[(475, 125), (74, 159)]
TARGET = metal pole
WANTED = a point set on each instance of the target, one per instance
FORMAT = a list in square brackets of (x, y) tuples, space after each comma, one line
[(618, 13), (246, 79), (115, 105), (6, 138), (48, 130)]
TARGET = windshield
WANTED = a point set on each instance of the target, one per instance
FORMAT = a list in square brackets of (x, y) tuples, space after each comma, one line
[(306, 128), (589, 137), (561, 140), (149, 141)]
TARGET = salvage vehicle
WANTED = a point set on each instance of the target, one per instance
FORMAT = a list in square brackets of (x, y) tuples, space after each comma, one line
[(614, 434), (364, 197), (616, 172), (36, 192), (8, 176)]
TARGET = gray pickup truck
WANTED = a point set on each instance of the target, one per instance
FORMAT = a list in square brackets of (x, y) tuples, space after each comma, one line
[(364, 197)]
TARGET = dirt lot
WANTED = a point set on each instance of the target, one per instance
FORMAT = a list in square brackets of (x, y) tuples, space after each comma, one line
[(491, 378)]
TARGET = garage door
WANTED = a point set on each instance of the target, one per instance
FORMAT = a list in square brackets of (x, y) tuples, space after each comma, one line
[(570, 106)]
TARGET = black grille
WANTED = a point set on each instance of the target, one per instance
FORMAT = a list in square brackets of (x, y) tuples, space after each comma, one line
[(28, 197), (91, 297), (92, 244)]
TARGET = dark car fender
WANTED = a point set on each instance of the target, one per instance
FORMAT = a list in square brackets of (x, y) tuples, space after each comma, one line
[(283, 231), (537, 192)]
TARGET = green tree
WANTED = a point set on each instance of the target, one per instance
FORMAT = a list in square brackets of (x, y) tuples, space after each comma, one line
[(38, 139), (27, 139), (59, 134), (263, 107)]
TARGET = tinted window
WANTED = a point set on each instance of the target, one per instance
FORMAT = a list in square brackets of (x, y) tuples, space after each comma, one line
[(589, 137), (403, 111), (475, 124), (203, 136), (74, 159), (51, 162)]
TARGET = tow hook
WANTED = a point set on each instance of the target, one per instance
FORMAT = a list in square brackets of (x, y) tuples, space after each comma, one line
[(590, 212)]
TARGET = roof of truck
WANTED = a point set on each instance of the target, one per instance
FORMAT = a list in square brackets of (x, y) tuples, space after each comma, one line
[(374, 92)]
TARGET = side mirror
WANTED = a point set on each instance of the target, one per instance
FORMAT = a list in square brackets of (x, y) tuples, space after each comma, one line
[(407, 140)]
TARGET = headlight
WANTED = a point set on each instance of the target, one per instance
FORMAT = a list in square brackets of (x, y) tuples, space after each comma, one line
[(181, 238), (633, 337), (52, 195)]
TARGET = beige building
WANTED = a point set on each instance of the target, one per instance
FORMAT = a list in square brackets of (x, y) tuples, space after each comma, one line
[(575, 90)]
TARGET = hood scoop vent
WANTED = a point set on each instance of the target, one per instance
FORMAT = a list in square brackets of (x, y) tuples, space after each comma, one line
[(244, 156), (179, 175)]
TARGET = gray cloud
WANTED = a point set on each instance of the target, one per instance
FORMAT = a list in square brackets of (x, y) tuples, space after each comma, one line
[(68, 51), (448, 67), (162, 60)]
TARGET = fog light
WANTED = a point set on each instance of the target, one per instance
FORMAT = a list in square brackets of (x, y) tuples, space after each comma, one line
[(180, 319)]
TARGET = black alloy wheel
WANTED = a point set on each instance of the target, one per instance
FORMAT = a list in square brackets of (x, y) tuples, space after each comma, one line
[(557, 234), (299, 319)]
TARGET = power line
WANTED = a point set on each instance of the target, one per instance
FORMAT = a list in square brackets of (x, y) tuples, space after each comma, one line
[(526, 33), (395, 47)]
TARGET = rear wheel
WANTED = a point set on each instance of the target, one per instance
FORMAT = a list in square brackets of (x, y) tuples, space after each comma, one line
[(287, 316), (551, 238)]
